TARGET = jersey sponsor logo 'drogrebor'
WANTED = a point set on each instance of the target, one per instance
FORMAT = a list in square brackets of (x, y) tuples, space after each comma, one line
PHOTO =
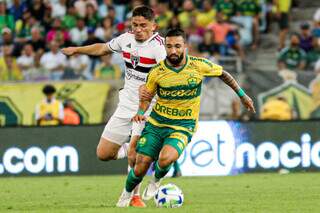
[(173, 111), (177, 93)]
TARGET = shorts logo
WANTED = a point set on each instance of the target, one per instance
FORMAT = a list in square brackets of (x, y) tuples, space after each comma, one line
[(142, 141)]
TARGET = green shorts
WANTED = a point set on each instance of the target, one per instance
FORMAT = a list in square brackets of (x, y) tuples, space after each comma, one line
[(284, 21), (153, 138)]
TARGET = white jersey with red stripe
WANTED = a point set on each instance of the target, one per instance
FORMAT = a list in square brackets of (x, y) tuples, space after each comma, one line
[(139, 58)]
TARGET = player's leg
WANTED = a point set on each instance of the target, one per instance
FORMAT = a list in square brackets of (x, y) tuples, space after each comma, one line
[(167, 157), (137, 128), (112, 144), (177, 170), (136, 200), (148, 148), (173, 147), (134, 178), (284, 28)]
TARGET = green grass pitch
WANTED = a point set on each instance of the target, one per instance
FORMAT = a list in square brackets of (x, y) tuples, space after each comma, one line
[(294, 192)]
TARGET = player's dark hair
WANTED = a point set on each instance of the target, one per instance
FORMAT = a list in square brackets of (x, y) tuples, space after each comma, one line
[(48, 89), (176, 32), (143, 11)]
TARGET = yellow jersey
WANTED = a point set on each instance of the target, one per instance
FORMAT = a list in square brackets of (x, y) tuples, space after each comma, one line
[(178, 91), (54, 110)]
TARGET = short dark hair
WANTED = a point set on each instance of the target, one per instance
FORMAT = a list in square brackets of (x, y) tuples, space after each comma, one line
[(48, 89), (143, 11), (295, 34), (176, 32), (305, 26)]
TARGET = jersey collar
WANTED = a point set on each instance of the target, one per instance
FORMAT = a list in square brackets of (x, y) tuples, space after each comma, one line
[(175, 69), (147, 41)]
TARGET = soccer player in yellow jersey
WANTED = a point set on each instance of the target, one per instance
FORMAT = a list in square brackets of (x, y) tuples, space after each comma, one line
[(177, 82)]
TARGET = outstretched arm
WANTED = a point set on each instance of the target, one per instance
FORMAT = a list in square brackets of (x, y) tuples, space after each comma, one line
[(97, 49), (145, 98), (231, 82)]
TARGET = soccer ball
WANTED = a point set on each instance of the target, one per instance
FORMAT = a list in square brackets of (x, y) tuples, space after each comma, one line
[(169, 196)]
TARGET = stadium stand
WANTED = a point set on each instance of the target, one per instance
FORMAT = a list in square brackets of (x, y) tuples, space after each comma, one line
[(240, 35)]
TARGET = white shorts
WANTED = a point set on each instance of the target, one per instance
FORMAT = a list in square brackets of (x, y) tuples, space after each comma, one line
[(118, 130)]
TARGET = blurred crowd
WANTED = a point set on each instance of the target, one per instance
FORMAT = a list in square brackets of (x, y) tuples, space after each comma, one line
[(33, 31), (303, 50)]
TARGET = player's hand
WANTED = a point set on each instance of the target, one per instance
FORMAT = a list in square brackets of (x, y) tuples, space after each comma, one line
[(138, 118), (69, 51), (248, 103), (144, 94)]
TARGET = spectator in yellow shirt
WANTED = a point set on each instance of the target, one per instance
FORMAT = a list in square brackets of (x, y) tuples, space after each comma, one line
[(188, 11), (9, 69), (49, 112), (282, 13), (207, 15), (164, 15), (106, 70)]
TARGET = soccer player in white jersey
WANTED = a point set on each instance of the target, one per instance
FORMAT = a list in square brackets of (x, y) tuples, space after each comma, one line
[(141, 50)]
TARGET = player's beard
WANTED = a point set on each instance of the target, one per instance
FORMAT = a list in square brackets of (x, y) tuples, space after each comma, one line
[(174, 59)]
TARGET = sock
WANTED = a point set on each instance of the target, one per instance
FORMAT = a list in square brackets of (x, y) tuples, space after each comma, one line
[(123, 151), (132, 181), (160, 172), (136, 190), (176, 167)]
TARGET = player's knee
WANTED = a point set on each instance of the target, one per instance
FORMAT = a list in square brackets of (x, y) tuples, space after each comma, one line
[(140, 170), (131, 161), (141, 166), (166, 160), (106, 156)]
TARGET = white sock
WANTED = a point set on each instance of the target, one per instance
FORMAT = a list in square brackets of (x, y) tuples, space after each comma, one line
[(123, 151), (154, 179), (126, 194), (136, 190)]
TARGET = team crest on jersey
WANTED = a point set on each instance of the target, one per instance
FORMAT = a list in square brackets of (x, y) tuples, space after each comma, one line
[(192, 81), (135, 59)]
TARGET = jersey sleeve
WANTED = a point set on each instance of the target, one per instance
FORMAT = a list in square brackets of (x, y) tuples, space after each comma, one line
[(151, 83), (207, 68), (160, 53), (115, 44)]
